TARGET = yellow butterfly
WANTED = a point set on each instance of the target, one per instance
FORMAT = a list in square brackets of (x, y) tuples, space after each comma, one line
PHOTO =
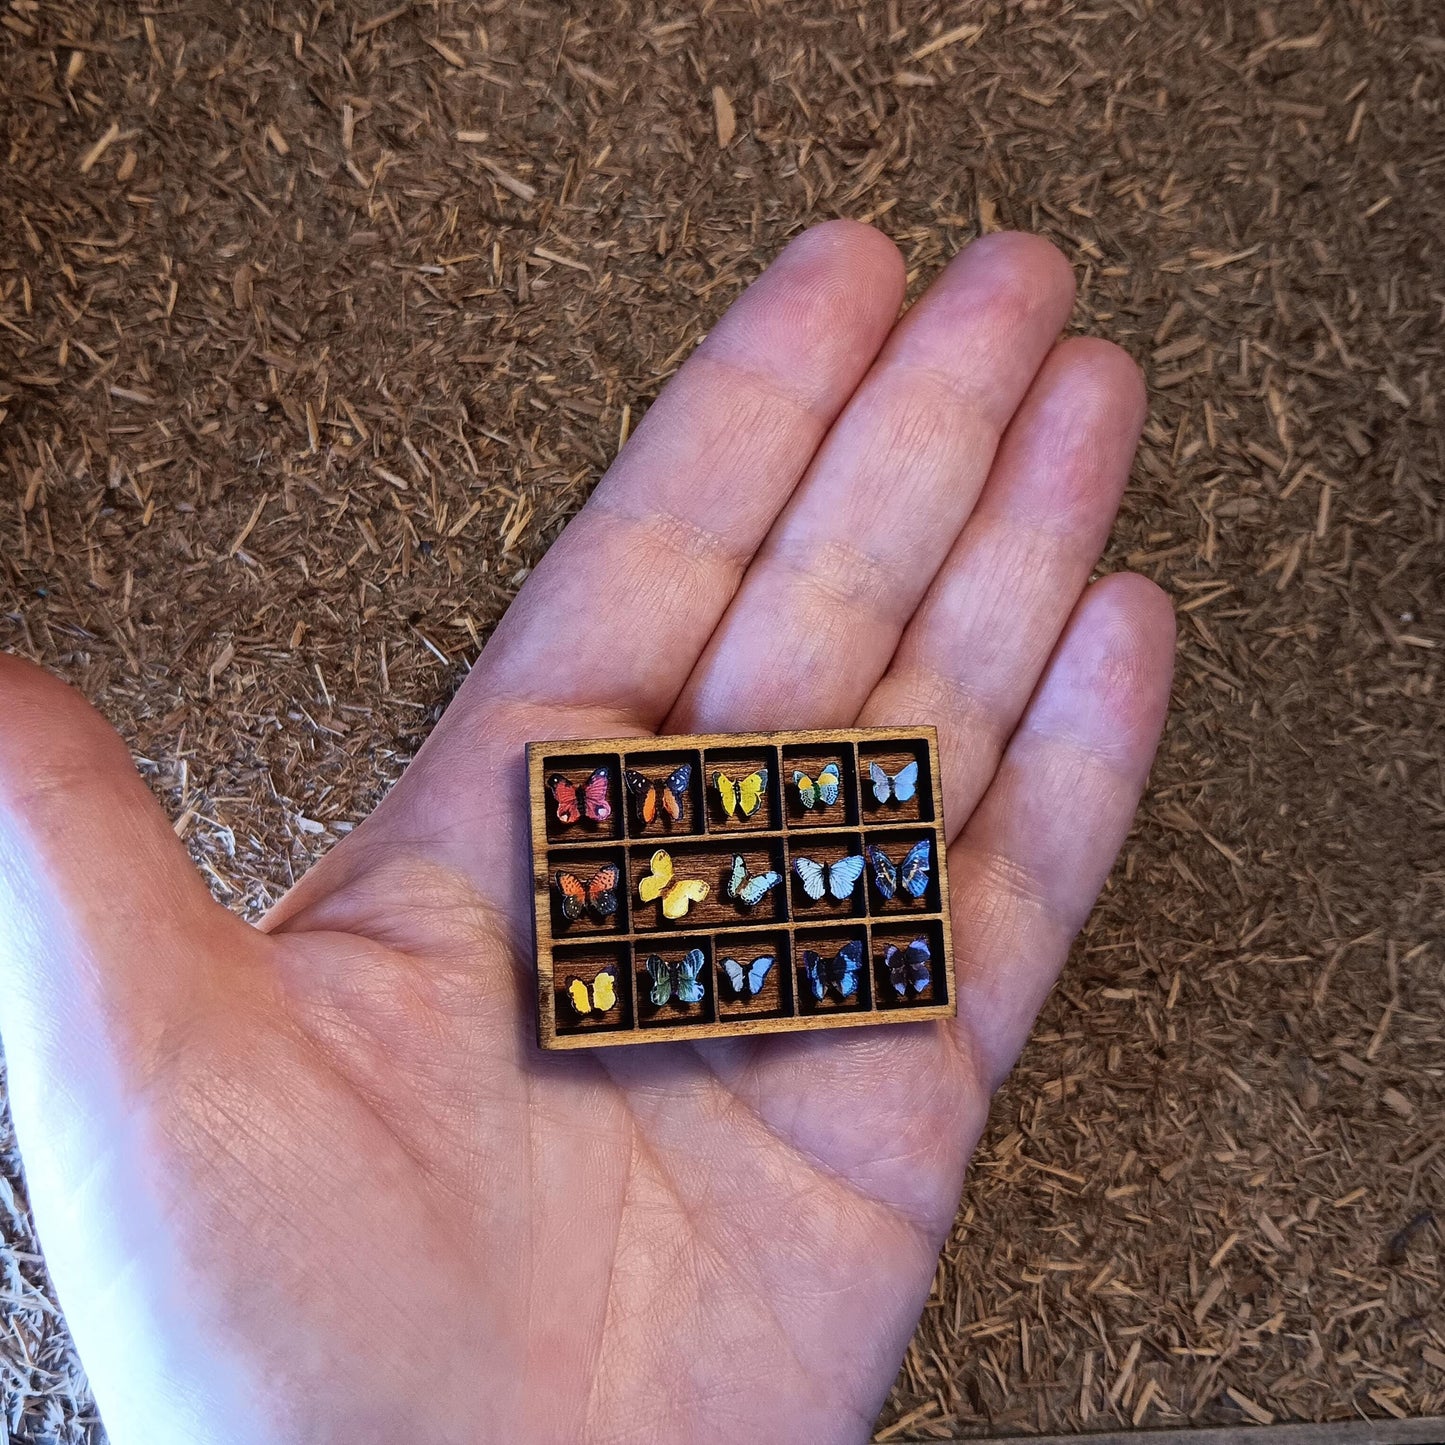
[(743, 797), (600, 999), (677, 894)]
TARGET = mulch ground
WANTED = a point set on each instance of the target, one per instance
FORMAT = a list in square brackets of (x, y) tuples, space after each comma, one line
[(317, 320)]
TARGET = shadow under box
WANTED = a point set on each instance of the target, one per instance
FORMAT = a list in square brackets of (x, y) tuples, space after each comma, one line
[(585, 865), (741, 767), (770, 996), (671, 953), (902, 936), (577, 1010), (827, 944), (885, 767), (811, 761), (653, 784), (827, 851), (895, 847), (565, 776), (709, 861)]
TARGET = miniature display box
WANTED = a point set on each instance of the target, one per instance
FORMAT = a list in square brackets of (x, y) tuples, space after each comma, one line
[(737, 883)]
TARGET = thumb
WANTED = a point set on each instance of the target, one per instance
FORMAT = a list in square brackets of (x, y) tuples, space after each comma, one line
[(113, 959)]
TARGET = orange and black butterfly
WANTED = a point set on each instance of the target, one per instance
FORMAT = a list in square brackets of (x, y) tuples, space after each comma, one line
[(670, 795), (596, 895)]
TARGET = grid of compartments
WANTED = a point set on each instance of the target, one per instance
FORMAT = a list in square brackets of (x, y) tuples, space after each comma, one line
[(612, 804)]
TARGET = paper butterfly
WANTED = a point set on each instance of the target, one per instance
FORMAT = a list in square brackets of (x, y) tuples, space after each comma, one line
[(839, 973), (749, 890), (676, 980), (600, 1000), (741, 798), (597, 896), (822, 789), (591, 799), (841, 877), (911, 875), (676, 894), (900, 787), (746, 979), (671, 793), (908, 968)]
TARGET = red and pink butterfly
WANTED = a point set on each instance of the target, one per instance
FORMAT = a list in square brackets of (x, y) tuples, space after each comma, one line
[(592, 800)]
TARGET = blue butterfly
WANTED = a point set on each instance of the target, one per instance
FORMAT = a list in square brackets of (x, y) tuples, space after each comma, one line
[(839, 973), (747, 979), (900, 787), (838, 878), (676, 980), (749, 889), (911, 875), (909, 968)]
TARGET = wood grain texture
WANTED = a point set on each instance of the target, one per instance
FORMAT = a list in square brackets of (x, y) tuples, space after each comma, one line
[(702, 844)]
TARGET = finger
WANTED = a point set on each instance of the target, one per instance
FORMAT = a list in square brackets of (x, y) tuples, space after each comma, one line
[(821, 609), (976, 647), (1027, 867), (612, 620)]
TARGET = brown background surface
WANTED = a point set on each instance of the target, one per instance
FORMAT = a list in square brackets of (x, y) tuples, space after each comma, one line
[(317, 320)]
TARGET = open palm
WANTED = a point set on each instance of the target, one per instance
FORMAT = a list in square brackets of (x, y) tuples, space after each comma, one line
[(315, 1182)]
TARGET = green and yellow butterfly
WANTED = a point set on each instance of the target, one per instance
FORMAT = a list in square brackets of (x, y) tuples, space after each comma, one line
[(822, 789)]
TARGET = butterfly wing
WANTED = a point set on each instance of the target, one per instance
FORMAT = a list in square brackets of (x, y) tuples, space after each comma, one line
[(573, 893), (736, 876), (913, 873), (602, 890), (893, 966), (682, 895), (578, 997), (661, 975), (807, 788), (750, 792), (649, 890), (814, 973), (843, 876), (917, 964), (885, 875), (644, 796), (755, 889), (736, 975), (674, 791), (905, 781), (882, 787), (604, 990), (597, 797), (689, 985), (758, 970), (810, 875), (727, 793), (565, 796), (828, 784), (844, 968)]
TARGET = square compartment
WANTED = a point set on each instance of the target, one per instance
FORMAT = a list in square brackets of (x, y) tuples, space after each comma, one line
[(895, 846), (900, 935), (583, 863), (711, 861), (577, 768), (826, 942), (891, 756), (809, 759), (775, 998), (827, 849), (657, 767), (585, 962), (739, 763), (671, 1014)]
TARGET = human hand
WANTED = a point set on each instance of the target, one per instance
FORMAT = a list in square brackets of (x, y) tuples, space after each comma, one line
[(315, 1182)]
